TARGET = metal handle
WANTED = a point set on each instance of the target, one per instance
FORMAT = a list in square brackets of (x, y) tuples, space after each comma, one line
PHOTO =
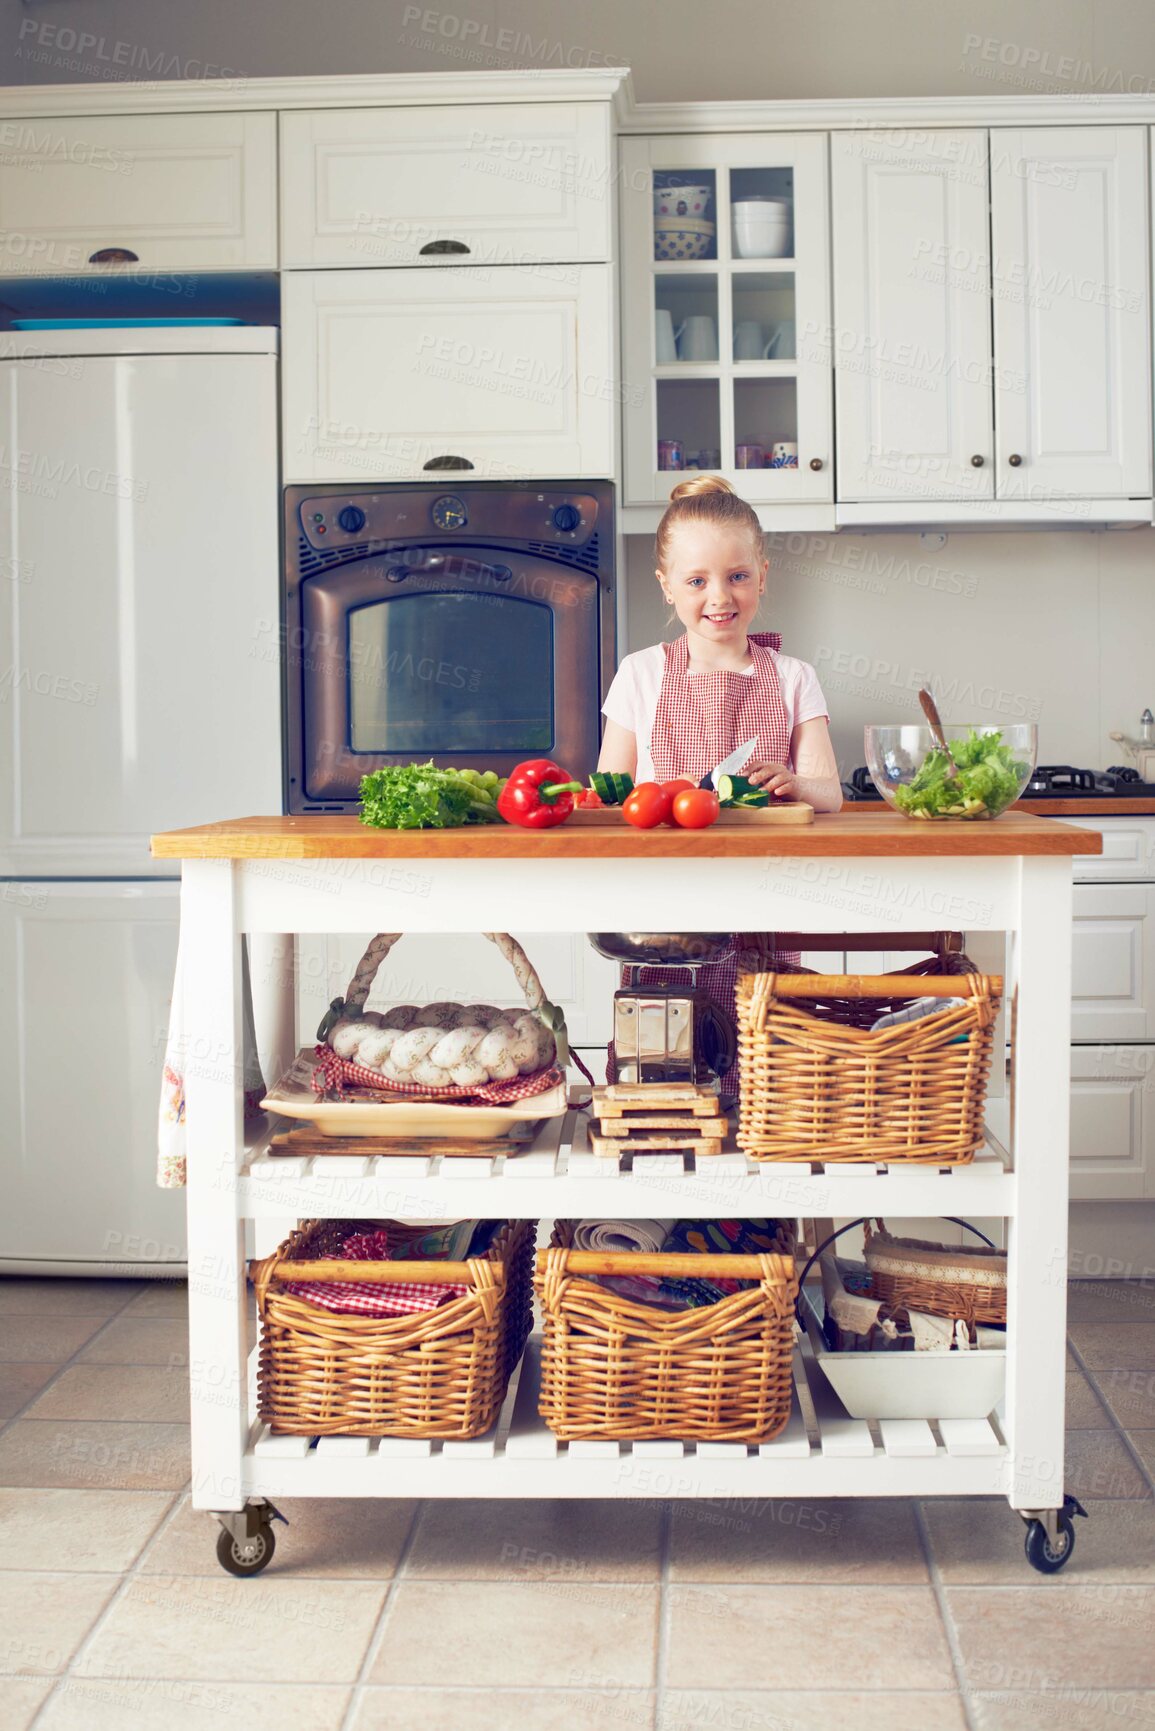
[(113, 255), (442, 246), (448, 463), (1014, 459), (816, 462), (977, 461)]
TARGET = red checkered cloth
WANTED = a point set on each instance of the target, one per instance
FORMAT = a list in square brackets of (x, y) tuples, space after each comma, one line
[(398, 1298), (337, 1075)]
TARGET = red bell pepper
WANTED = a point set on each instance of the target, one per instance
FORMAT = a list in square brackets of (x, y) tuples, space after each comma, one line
[(538, 795)]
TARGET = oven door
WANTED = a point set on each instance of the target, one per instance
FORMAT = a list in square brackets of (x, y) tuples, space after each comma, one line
[(473, 656)]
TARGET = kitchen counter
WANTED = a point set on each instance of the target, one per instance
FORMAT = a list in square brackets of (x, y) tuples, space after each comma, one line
[(856, 830), (864, 872)]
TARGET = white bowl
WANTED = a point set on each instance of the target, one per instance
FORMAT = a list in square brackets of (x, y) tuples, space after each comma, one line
[(679, 201)]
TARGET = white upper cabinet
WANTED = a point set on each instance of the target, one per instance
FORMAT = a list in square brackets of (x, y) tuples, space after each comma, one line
[(392, 375), (502, 183), (912, 316), (166, 191), (1072, 312)]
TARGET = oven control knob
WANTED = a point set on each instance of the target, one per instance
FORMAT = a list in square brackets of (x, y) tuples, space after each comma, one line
[(566, 518), (351, 518)]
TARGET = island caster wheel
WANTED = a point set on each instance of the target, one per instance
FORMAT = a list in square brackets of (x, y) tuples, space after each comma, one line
[(1046, 1554), (247, 1556)]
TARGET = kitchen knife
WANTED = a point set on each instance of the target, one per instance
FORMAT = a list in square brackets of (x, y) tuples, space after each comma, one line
[(729, 765)]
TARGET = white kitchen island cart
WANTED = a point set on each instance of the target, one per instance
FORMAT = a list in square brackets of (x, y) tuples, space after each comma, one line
[(846, 872)]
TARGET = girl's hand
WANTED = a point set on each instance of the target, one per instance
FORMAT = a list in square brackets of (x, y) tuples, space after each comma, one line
[(775, 778)]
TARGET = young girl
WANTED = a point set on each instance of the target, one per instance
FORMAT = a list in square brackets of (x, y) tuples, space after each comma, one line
[(679, 708)]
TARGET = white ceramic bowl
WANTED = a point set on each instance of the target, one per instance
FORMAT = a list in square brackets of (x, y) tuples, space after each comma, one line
[(682, 200)]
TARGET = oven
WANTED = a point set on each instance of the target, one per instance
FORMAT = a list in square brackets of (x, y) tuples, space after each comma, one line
[(471, 623)]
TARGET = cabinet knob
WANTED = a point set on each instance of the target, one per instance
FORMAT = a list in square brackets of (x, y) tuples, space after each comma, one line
[(816, 462), (977, 461), (113, 255), (1014, 460), (448, 463), (441, 246)]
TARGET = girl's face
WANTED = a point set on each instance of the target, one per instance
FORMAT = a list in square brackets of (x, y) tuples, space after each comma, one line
[(714, 579)]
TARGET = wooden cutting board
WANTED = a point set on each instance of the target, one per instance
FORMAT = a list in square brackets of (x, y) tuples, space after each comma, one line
[(785, 812)]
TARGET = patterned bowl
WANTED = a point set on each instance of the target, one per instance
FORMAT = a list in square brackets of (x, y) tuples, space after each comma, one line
[(683, 242)]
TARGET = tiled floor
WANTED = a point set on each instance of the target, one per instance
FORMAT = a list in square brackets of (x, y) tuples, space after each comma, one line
[(544, 1616)]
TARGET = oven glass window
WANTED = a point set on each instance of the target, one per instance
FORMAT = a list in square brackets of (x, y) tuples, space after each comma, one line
[(436, 673)]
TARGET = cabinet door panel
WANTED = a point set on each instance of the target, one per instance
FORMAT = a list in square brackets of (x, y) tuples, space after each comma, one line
[(147, 672), (511, 184), (388, 370), (912, 339), (78, 1144), (1072, 311), (1128, 854), (726, 331), (1113, 962), (1112, 1125), (180, 191)]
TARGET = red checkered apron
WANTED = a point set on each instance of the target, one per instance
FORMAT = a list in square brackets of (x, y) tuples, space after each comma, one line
[(699, 720)]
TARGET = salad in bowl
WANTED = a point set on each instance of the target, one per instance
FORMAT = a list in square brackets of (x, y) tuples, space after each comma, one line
[(993, 765)]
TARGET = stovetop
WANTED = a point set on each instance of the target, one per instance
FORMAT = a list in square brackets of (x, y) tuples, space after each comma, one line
[(1050, 781)]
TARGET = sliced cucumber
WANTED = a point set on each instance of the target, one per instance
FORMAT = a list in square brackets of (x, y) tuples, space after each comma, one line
[(738, 790), (611, 789)]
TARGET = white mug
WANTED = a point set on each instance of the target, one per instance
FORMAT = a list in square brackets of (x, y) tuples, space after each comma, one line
[(665, 349), (697, 338), (749, 344)]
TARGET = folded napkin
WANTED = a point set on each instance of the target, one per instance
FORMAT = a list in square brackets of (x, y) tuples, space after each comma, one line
[(613, 1235), (680, 1237), (398, 1298)]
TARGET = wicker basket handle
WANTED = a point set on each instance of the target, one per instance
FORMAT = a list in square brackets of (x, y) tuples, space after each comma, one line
[(431, 1273), (673, 1264), (380, 946)]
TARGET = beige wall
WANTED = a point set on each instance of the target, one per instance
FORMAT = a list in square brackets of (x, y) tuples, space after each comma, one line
[(1056, 628), (682, 50)]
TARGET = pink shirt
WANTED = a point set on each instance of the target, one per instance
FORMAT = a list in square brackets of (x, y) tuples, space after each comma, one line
[(632, 699)]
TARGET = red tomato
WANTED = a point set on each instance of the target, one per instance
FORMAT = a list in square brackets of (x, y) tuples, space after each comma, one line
[(695, 808), (588, 800), (676, 785), (647, 806)]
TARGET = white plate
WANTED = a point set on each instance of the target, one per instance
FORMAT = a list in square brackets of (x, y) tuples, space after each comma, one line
[(293, 1097)]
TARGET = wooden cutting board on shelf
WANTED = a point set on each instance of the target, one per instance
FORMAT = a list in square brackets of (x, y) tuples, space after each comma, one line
[(785, 812)]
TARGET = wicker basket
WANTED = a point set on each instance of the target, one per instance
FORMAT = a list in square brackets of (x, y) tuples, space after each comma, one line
[(816, 1082), (622, 1371), (939, 1279), (342, 1072), (441, 1373)]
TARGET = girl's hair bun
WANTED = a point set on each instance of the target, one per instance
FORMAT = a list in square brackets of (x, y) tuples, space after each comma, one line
[(695, 485)]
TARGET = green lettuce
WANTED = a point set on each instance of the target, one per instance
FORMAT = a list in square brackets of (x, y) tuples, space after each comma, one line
[(989, 779), (424, 796)]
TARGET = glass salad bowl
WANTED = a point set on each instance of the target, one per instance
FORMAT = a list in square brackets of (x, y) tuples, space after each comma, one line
[(911, 773)]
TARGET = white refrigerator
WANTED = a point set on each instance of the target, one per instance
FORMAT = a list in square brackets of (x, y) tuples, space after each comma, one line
[(139, 691)]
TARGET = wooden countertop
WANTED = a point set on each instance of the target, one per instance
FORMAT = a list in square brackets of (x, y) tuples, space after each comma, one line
[(849, 832)]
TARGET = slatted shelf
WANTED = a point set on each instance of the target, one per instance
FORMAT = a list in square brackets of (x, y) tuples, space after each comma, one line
[(558, 1174), (821, 1452)]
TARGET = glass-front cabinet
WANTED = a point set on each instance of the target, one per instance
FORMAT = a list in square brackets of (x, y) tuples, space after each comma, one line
[(726, 314)]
